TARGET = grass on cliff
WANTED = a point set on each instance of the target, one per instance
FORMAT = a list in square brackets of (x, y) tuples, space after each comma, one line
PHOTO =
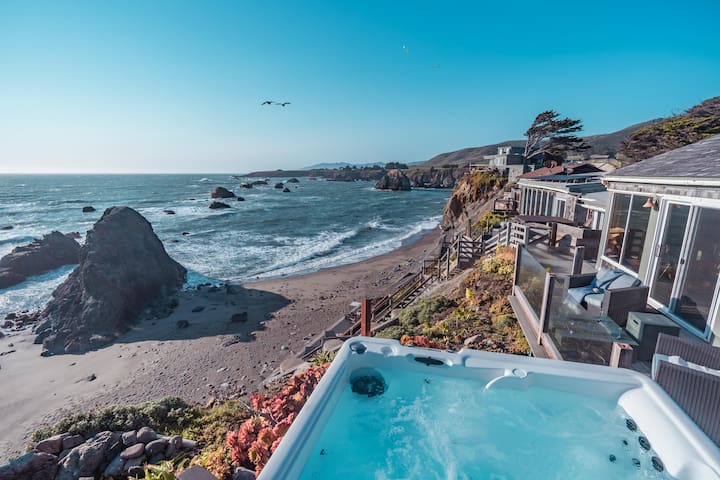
[(478, 309), (167, 416)]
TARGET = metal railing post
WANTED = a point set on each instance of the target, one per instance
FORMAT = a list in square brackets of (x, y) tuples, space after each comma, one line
[(578, 257), (365, 329)]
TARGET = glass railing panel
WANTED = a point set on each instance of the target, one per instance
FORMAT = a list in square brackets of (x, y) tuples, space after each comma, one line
[(531, 280), (580, 336)]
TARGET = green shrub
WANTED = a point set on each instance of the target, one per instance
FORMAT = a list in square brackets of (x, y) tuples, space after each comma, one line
[(210, 427), (504, 321), (169, 415), (323, 357), (394, 332), (423, 311)]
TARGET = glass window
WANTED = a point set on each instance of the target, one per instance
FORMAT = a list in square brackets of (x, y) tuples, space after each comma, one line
[(616, 227), (627, 230), (636, 231)]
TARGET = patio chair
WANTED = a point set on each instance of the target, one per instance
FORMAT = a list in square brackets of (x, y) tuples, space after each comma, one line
[(610, 292), (694, 388)]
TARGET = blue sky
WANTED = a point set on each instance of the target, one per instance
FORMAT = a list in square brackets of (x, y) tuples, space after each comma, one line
[(176, 86)]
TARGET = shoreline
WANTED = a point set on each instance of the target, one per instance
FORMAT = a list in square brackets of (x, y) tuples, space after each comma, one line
[(212, 357)]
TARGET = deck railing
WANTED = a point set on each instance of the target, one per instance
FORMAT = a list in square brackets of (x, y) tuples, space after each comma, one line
[(565, 329)]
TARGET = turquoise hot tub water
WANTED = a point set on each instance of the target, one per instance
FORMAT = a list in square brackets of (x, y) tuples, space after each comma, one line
[(474, 415)]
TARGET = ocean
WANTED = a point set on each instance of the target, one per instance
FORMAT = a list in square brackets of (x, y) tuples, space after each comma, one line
[(317, 225)]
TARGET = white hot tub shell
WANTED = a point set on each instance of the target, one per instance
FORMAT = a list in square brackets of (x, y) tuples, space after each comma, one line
[(687, 453)]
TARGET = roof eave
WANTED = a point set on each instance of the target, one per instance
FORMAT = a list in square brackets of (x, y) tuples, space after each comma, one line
[(682, 181)]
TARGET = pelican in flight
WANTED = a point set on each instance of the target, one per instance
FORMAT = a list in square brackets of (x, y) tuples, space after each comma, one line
[(267, 102), (282, 104)]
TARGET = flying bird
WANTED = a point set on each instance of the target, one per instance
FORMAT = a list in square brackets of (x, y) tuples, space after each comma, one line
[(282, 104), (267, 102)]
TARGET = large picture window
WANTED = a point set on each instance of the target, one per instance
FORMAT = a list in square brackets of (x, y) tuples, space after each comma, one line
[(627, 230)]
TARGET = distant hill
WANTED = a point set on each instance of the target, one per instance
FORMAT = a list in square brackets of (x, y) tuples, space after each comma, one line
[(699, 122), (335, 165), (599, 144)]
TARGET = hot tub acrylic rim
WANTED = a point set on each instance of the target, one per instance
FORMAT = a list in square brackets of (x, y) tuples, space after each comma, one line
[(284, 463)]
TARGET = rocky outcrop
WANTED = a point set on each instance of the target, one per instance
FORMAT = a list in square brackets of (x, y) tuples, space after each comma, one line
[(279, 186), (435, 177), (88, 209), (33, 465), (216, 205), (471, 197), (221, 192), (50, 252), (123, 267), (394, 180), (106, 454), (293, 180)]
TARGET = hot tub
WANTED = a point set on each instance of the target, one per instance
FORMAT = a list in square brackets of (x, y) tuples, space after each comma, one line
[(385, 411)]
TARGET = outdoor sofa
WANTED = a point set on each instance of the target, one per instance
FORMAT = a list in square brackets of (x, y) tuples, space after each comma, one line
[(610, 292)]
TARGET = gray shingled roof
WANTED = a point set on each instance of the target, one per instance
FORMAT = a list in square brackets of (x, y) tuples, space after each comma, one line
[(697, 160)]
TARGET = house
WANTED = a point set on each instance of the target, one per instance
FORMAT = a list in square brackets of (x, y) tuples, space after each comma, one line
[(663, 227), (556, 192), (509, 160)]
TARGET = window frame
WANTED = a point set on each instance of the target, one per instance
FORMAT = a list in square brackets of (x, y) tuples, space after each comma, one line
[(608, 216)]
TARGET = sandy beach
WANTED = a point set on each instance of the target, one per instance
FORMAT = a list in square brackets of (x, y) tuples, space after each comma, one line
[(213, 356)]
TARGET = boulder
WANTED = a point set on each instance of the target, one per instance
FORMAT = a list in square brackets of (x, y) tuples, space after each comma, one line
[(216, 205), (221, 192), (72, 441), (286, 190), (133, 451), (246, 185), (53, 445), (123, 267), (259, 182), (155, 447), (84, 460), (88, 209), (394, 180), (169, 212), (293, 180), (129, 438), (240, 199), (196, 472), (115, 467), (279, 186), (134, 463), (7, 227), (33, 465), (50, 252), (244, 474), (146, 435)]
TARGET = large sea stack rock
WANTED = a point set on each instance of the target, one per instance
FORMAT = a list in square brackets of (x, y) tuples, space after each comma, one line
[(52, 251), (123, 267), (393, 180), (221, 192)]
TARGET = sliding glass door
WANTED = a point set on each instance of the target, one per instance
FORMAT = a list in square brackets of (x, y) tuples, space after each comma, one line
[(685, 277)]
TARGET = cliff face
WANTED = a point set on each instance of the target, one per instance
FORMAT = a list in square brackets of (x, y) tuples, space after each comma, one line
[(471, 197), (123, 266), (435, 177)]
